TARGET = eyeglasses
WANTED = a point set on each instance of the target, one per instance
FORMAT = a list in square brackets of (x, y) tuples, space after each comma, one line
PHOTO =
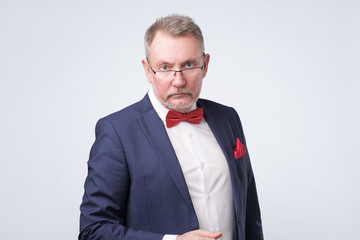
[(170, 74)]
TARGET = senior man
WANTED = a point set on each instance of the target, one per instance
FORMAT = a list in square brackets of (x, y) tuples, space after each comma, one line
[(171, 166)]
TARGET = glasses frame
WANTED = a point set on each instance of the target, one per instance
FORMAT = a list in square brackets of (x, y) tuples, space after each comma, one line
[(176, 71)]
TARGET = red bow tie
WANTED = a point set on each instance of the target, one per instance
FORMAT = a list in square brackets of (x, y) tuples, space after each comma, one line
[(174, 118)]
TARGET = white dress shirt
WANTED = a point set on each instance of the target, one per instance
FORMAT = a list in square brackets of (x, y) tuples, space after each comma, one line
[(206, 173)]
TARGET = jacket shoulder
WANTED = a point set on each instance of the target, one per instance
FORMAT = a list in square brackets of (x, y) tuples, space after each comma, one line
[(219, 108), (131, 112)]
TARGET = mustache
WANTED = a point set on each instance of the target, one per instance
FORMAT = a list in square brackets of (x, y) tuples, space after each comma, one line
[(179, 90)]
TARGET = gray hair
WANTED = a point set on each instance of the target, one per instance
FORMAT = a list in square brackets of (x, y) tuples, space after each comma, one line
[(174, 25)]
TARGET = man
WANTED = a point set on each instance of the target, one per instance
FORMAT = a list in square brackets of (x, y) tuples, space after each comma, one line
[(152, 175)]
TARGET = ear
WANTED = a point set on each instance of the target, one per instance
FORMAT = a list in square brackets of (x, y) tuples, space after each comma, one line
[(206, 64), (147, 70)]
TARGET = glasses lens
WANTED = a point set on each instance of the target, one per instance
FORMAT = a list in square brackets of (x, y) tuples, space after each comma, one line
[(165, 74), (191, 72)]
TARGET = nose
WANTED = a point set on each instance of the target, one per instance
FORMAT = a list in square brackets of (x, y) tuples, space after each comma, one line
[(179, 80)]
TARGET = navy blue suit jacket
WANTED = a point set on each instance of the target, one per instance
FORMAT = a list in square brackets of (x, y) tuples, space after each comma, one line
[(135, 188)]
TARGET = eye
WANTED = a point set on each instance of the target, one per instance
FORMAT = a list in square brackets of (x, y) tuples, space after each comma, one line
[(164, 68), (189, 65)]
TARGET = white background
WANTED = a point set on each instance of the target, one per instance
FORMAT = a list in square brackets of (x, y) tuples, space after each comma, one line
[(290, 69)]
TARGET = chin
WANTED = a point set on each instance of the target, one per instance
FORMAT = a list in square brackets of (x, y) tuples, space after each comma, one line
[(180, 107)]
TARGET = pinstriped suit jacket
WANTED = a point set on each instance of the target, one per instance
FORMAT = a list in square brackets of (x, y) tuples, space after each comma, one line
[(135, 188)]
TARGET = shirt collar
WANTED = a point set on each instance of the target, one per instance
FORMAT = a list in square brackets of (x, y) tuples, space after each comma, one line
[(160, 109)]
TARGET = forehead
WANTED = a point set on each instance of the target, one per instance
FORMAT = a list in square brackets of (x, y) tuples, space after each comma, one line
[(174, 49)]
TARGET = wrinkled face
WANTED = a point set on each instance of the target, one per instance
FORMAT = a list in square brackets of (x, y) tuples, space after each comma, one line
[(177, 91)]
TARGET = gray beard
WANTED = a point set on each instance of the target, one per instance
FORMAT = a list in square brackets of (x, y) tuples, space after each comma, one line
[(181, 107)]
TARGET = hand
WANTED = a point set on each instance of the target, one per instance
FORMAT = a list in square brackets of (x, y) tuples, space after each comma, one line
[(199, 235)]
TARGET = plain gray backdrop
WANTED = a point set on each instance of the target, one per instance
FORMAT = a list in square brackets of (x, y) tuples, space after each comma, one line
[(290, 69)]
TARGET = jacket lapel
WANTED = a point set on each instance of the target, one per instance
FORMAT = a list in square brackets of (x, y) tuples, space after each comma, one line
[(154, 129), (225, 138)]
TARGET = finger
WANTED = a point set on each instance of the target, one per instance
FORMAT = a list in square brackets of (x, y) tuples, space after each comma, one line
[(200, 234), (210, 234)]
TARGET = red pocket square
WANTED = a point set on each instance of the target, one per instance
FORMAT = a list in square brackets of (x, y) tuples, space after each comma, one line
[(239, 150)]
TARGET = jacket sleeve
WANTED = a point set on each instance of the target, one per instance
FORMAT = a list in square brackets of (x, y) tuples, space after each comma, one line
[(103, 209), (253, 225)]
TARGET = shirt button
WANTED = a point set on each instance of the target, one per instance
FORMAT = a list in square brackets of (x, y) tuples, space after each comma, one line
[(190, 135)]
